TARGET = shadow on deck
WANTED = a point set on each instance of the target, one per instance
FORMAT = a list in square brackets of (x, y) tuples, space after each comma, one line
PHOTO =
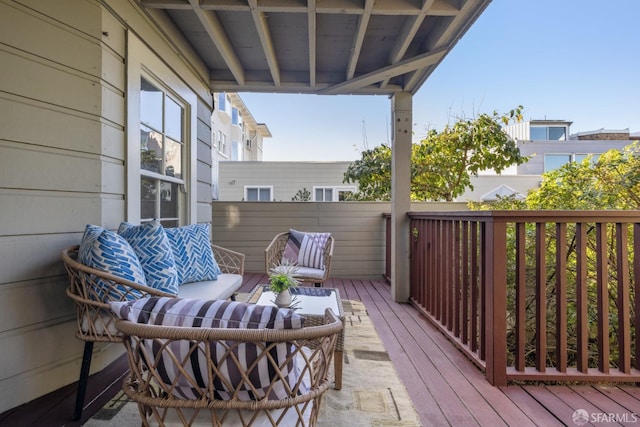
[(447, 388)]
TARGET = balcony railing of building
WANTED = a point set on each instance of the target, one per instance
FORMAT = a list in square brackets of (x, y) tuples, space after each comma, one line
[(545, 295)]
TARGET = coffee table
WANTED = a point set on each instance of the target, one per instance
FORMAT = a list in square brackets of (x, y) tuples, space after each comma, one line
[(311, 303)]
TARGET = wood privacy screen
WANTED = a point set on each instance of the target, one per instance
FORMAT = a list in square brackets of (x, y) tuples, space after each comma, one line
[(544, 296)]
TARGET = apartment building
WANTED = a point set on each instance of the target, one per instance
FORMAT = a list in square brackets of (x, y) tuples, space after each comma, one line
[(549, 144), (236, 135)]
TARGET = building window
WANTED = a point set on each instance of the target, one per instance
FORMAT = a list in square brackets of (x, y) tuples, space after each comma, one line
[(258, 193), (556, 161), (222, 143), (222, 101), (236, 117), (162, 155), (548, 133), (331, 194), (236, 151)]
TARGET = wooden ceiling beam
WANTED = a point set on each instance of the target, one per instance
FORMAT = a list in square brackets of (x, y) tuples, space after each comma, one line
[(218, 36), (312, 31), (356, 47), (262, 27)]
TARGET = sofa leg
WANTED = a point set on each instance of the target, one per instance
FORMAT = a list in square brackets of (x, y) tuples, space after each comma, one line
[(233, 297), (84, 379)]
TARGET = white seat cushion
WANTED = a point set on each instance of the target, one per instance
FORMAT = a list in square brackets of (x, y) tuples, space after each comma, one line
[(222, 288), (313, 273)]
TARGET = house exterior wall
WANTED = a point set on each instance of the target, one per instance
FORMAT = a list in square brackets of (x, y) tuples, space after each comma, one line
[(537, 149), (286, 178), (63, 164), (357, 227)]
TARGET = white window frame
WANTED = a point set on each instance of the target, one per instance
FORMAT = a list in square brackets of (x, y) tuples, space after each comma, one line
[(222, 144), (335, 195), (258, 187), (142, 62)]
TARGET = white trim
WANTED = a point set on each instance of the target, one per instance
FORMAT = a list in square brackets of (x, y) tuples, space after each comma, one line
[(335, 194), (259, 187), (140, 62)]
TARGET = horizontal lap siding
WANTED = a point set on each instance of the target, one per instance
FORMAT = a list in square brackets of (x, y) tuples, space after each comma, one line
[(62, 152), (62, 165)]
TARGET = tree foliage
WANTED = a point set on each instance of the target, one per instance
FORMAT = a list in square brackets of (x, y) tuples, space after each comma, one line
[(443, 163)]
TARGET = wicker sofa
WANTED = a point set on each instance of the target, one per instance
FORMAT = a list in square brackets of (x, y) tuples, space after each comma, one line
[(96, 322), (228, 376)]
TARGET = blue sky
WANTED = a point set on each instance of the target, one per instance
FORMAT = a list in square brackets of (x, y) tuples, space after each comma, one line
[(576, 60)]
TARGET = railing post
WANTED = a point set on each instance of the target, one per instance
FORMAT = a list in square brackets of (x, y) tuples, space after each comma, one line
[(495, 302)]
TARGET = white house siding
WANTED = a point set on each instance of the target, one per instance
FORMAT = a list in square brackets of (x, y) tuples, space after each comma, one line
[(486, 183), (537, 149), (357, 227), (285, 177), (62, 165)]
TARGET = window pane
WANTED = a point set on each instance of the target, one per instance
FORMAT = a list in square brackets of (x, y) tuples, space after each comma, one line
[(319, 195), (342, 194), (252, 194), (150, 150), (265, 194), (234, 151), (147, 198), (150, 105), (538, 133), (555, 161), (173, 119), (221, 101), (173, 159), (169, 195), (234, 116), (557, 133), (328, 195)]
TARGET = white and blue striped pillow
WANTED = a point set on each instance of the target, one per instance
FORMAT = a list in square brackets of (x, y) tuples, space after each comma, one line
[(192, 253), (231, 358), (153, 249), (106, 251)]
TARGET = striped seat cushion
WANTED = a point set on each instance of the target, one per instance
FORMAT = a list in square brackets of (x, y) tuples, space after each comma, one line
[(230, 359), (107, 251), (151, 244), (306, 249), (192, 253)]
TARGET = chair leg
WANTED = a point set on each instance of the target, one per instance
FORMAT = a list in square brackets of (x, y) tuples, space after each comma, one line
[(317, 285), (84, 379)]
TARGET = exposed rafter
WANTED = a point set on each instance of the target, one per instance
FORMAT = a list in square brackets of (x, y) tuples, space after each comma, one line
[(262, 28), (213, 27), (320, 46), (363, 23)]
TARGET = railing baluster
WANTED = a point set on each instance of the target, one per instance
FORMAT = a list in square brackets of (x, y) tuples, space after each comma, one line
[(457, 256), (561, 296), (465, 282), (603, 297), (636, 281), (474, 286), (622, 269), (541, 298), (521, 295), (582, 317)]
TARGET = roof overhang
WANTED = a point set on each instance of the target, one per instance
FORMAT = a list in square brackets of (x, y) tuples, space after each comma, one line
[(321, 46)]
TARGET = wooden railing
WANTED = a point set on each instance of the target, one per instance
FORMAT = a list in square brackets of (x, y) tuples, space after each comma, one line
[(545, 296)]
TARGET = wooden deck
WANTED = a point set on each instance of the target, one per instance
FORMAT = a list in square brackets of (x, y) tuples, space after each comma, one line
[(447, 388)]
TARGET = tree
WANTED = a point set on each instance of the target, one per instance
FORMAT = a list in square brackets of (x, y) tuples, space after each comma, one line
[(442, 164), (302, 196)]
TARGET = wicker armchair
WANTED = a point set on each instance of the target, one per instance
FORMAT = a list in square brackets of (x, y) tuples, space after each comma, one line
[(273, 255), (153, 386), (95, 321)]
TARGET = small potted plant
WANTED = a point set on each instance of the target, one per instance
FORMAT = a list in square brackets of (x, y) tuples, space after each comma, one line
[(282, 277)]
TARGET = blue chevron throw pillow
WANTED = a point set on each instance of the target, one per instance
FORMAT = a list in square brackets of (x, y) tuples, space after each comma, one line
[(106, 251), (151, 244), (192, 253)]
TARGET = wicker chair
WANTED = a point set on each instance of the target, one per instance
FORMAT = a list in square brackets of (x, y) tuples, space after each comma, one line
[(95, 321), (153, 386), (273, 255)]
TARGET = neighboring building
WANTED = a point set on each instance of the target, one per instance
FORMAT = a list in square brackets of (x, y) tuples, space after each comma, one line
[(236, 135), (281, 181), (550, 145)]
